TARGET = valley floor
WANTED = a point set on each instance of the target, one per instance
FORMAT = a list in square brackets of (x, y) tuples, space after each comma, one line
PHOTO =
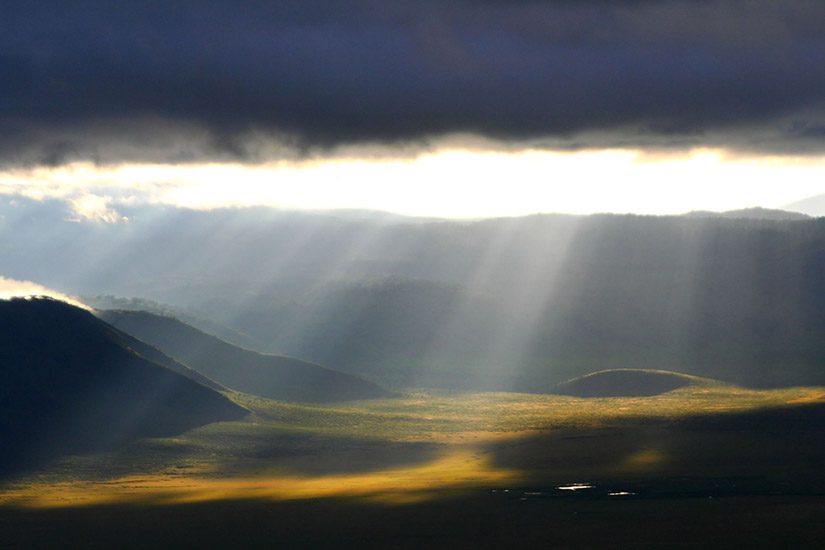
[(713, 464)]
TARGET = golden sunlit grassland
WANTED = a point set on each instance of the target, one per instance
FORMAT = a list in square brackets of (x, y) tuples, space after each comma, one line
[(423, 443)]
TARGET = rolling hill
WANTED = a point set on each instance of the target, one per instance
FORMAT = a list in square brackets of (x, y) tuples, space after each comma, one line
[(272, 376), (628, 383), (72, 383)]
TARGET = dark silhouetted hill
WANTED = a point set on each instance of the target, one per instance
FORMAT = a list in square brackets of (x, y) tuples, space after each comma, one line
[(272, 376), (627, 383), (72, 383)]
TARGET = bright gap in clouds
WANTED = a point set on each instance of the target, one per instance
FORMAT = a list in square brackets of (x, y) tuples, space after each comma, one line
[(459, 184)]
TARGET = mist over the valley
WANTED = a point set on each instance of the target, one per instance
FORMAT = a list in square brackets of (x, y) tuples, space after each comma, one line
[(512, 303)]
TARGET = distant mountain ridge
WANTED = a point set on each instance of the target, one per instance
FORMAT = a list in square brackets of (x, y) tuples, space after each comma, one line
[(755, 213), (266, 375), (70, 382), (813, 206)]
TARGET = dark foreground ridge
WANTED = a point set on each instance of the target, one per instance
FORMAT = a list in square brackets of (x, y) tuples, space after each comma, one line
[(72, 383), (477, 520), (273, 376), (627, 383)]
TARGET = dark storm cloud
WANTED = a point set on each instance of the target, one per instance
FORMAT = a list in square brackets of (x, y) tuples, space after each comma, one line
[(187, 80)]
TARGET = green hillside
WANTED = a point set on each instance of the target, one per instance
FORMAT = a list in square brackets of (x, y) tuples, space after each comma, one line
[(628, 383)]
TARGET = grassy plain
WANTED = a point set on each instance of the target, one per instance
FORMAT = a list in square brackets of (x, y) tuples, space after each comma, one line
[(417, 446), (703, 466)]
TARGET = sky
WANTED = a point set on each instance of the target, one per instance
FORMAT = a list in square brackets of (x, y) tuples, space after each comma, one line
[(447, 108)]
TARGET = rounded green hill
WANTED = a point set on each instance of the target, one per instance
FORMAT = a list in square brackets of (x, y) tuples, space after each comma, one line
[(628, 383)]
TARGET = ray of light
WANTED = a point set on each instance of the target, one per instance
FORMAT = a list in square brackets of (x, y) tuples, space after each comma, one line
[(532, 284)]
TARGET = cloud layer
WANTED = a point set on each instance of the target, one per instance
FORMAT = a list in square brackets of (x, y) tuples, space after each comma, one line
[(11, 288), (195, 80)]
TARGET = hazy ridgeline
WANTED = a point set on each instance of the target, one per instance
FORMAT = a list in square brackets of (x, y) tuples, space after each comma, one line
[(266, 375), (507, 303)]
